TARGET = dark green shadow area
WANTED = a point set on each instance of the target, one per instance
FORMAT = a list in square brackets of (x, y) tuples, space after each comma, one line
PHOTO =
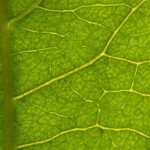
[(6, 102)]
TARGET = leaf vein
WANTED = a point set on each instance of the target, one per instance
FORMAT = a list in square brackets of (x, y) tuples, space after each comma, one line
[(91, 62), (24, 13)]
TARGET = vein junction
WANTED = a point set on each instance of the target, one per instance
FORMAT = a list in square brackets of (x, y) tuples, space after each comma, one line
[(103, 54), (91, 62)]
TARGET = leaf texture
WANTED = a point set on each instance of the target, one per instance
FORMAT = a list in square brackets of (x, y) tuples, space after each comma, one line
[(81, 77)]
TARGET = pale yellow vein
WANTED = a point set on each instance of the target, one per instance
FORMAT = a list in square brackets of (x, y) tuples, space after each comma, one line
[(42, 32), (91, 62), (83, 130), (25, 13)]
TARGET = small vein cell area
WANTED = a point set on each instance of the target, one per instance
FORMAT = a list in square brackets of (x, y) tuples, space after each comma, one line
[(109, 17), (76, 43), (51, 110), (125, 110), (133, 41), (115, 74), (97, 139), (81, 74), (142, 79)]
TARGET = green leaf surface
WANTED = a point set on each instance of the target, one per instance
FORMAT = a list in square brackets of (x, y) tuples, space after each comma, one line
[(81, 74)]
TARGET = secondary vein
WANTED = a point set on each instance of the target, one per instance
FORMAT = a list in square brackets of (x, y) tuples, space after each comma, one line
[(91, 62)]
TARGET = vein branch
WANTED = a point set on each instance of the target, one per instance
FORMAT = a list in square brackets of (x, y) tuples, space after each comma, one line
[(129, 90), (83, 130), (43, 32), (25, 13), (33, 50), (84, 6), (49, 112), (91, 62)]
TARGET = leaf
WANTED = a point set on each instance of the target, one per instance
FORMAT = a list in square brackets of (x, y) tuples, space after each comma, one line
[(81, 75)]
